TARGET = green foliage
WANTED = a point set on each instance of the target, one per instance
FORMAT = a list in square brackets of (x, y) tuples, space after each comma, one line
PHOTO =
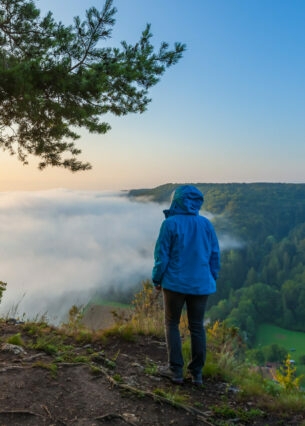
[(37, 328), (55, 78), (125, 331), (84, 337), (272, 388), (275, 353), (109, 363), (117, 378), (151, 368), (256, 356), (47, 366), (96, 371), (174, 397), (49, 344), (16, 339), (226, 411)]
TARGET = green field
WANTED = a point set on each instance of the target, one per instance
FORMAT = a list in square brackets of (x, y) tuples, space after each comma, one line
[(103, 302), (293, 341)]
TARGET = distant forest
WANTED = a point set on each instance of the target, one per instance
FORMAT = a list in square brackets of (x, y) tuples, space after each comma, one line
[(262, 279)]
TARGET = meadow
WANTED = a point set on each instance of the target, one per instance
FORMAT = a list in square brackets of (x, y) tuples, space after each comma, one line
[(292, 341)]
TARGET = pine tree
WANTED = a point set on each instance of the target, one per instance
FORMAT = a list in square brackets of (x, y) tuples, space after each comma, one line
[(55, 78)]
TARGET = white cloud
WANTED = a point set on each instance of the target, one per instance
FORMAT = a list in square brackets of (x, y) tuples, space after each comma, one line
[(56, 243)]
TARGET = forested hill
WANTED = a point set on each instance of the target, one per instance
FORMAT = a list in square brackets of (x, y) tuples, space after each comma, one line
[(264, 279)]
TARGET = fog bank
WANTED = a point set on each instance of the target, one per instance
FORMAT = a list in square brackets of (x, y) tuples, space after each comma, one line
[(61, 247)]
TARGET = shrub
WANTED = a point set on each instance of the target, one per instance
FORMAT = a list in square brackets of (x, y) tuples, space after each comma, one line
[(286, 375), (147, 317), (16, 339)]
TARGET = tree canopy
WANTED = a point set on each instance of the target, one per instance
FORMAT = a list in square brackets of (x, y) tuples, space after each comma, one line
[(55, 79)]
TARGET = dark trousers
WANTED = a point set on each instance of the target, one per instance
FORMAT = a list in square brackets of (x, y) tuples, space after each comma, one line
[(195, 305)]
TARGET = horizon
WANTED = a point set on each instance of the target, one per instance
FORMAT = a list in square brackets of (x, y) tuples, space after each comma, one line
[(126, 190), (230, 111)]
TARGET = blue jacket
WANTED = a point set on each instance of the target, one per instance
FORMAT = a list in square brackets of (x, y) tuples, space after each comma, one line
[(187, 256)]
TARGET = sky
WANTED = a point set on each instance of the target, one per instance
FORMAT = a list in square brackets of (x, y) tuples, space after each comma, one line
[(232, 109)]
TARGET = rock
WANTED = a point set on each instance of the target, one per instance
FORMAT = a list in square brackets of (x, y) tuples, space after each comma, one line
[(15, 349)]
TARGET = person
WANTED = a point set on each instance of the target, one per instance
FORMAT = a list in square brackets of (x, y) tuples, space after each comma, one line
[(186, 266)]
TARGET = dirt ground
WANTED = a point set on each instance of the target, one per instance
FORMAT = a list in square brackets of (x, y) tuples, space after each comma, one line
[(117, 387)]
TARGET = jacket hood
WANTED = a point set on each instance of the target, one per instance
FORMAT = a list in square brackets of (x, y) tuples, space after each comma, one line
[(187, 199)]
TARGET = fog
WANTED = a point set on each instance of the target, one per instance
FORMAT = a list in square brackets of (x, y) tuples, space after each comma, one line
[(61, 247)]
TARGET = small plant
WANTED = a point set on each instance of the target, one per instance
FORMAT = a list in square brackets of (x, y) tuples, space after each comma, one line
[(126, 332), (37, 328), (225, 345), (198, 404), (96, 371), (76, 314), (81, 359), (286, 376), (224, 411), (47, 347), (110, 363), (116, 355), (118, 378), (50, 344), (272, 388), (121, 317), (48, 366), (175, 397), (151, 367), (147, 316), (16, 339), (83, 336), (211, 368), (228, 412)]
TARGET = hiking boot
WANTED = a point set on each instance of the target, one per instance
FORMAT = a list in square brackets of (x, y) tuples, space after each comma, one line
[(176, 378), (197, 379)]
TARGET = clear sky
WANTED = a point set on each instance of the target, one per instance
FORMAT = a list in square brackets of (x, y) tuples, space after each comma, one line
[(232, 110)]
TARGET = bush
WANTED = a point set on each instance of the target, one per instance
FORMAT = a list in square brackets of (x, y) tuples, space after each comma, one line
[(147, 315)]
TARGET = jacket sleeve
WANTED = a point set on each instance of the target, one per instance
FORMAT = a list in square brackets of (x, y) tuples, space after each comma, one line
[(161, 253), (215, 254)]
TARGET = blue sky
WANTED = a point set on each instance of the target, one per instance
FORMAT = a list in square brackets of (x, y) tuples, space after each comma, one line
[(232, 110)]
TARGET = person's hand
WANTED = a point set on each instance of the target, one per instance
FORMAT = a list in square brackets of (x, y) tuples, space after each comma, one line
[(158, 287)]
